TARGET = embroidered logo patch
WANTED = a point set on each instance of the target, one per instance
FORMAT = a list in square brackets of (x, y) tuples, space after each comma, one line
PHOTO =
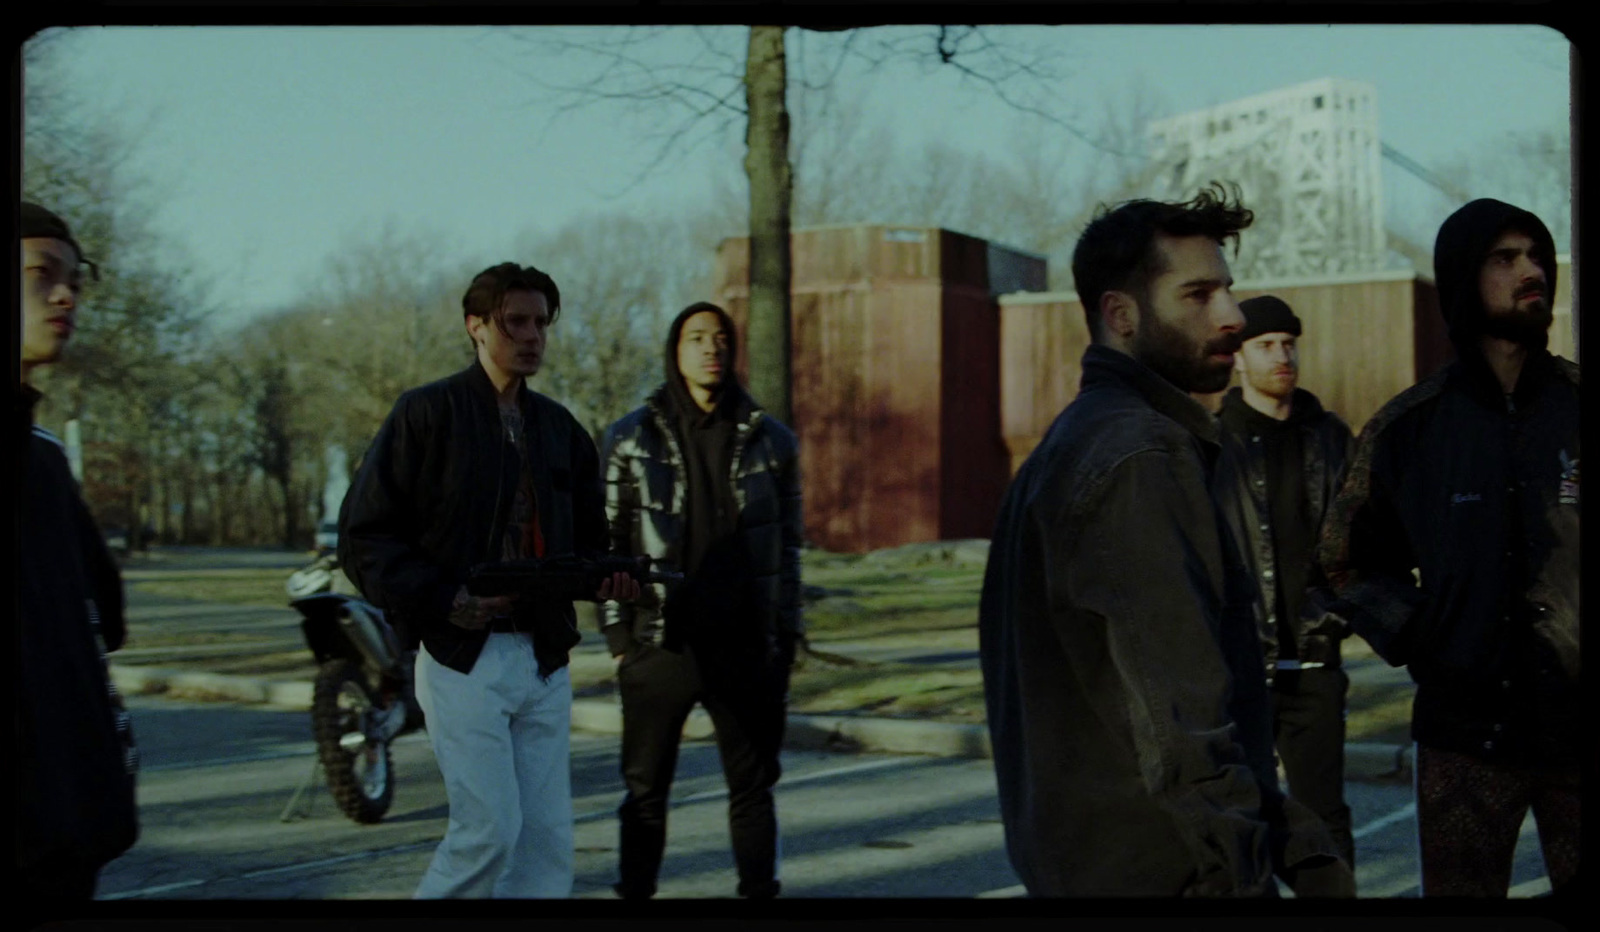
[(1568, 493)]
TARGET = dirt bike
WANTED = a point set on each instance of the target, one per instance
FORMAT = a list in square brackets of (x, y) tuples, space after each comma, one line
[(363, 696)]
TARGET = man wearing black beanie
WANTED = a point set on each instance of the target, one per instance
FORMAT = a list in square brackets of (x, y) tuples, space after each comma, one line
[(75, 762), (1283, 458), (703, 480)]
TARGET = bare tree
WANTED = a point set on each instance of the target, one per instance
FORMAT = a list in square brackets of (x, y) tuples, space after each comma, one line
[(119, 379), (718, 88), (622, 278)]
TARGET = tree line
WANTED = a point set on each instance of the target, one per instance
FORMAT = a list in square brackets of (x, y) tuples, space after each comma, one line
[(218, 436)]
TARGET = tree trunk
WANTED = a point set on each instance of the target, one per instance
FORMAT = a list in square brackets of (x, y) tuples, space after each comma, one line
[(291, 515), (766, 164)]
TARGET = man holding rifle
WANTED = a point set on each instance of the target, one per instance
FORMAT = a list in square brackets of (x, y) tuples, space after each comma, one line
[(472, 469), (703, 480)]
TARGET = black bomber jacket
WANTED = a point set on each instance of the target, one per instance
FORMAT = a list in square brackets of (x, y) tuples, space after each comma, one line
[(432, 497)]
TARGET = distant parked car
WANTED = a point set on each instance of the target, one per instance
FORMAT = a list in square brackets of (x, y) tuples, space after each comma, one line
[(328, 535)]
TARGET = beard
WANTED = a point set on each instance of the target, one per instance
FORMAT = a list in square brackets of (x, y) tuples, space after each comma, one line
[(1174, 356), (1526, 325), (1273, 384)]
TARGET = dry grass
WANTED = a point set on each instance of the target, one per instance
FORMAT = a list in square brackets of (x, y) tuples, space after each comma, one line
[(926, 606), (231, 587)]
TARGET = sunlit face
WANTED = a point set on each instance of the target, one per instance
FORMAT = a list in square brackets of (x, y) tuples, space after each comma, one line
[(1516, 299), (1189, 324), (517, 349), (703, 351), (52, 280), (1270, 364)]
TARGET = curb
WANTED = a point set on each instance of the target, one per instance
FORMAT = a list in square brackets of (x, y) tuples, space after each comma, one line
[(845, 733)]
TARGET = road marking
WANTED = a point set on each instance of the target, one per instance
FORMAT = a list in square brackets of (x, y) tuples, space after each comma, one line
[(1409, 810), (274, 871), (151, 891), (341, 859), (433, 842)]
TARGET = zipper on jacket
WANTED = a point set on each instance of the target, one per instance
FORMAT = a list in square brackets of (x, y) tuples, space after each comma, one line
[(499, 489)]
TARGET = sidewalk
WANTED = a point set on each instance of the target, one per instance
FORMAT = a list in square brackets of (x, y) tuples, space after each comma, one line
[(845, 733)]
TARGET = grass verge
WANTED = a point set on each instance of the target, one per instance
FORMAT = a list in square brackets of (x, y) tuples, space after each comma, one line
[(930, 606)]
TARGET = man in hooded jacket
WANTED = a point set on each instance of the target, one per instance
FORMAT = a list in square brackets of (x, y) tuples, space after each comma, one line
[(704, 482), (1470, 479)]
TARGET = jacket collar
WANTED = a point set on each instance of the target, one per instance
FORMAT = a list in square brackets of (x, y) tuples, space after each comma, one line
[(479, 381), (738, 405), (1104, 365), (27, 401), (1473, 373), (1305, 407)]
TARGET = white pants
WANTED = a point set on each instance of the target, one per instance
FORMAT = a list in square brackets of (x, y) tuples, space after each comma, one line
[(502, 738)]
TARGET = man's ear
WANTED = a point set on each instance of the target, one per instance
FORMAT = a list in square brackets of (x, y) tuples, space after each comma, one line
[(475, 325), (1119, 314)]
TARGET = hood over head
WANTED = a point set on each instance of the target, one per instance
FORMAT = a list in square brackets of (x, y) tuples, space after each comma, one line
[(1458, 253), (676, 389)]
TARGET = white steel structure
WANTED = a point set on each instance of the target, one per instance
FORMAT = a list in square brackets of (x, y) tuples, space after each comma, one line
[(1307, 160)]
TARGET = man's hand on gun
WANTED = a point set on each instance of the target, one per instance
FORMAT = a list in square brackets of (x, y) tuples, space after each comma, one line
[(617, 579), (621, 587), (473, 612)]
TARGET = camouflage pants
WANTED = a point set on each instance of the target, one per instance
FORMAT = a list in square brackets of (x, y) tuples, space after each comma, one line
[(1469, 813)]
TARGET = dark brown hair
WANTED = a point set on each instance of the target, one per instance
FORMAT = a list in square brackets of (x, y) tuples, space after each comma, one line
[(486, 296), (1118, 252)]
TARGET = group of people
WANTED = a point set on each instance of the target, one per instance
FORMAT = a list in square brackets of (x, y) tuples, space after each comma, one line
[(1161, 614), (1167, 590), (472, 468), (477, 467)]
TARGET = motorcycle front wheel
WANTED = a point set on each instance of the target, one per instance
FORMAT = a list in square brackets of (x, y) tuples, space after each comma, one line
[(360, 768)]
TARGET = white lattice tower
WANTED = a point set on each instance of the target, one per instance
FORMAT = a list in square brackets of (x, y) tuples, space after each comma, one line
[(1307, 160)]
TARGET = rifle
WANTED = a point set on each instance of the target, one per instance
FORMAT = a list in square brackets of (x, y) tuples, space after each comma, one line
[(563, 577)]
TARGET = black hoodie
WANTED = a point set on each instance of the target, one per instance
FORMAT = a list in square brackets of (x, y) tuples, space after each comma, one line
[(1477, 491), (706, 438), (1458, 253)]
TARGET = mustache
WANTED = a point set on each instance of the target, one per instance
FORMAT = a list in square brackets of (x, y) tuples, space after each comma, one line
[(1530, 290), (1227, 343)]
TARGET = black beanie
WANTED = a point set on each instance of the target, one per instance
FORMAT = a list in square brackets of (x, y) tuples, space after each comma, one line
[(1267, 314), (39, 222)]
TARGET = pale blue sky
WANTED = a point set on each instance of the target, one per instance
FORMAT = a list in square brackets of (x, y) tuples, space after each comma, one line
[(276, 144)]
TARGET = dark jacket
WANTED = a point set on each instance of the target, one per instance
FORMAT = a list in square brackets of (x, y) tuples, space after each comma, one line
[(1478, 494), (647, 497), (74, 781), (432, 498), (1127, 704), (1241, 492)]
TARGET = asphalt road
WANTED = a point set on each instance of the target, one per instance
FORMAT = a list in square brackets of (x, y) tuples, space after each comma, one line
[(217, 778)]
